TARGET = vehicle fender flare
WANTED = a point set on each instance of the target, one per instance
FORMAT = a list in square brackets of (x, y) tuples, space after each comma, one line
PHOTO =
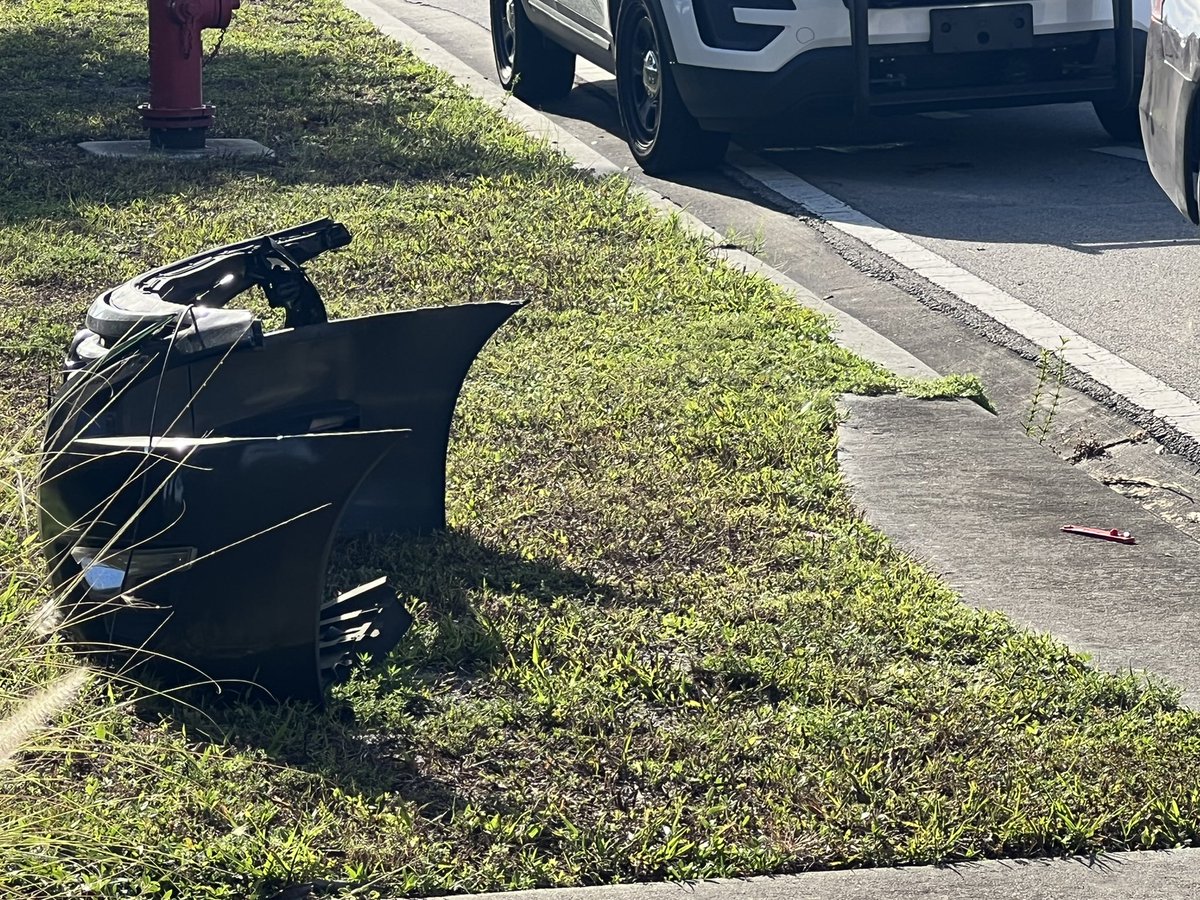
[(660, 22)]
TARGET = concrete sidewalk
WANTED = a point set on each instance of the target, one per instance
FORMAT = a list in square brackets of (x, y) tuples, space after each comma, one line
[(981, 504), (1121, 876)]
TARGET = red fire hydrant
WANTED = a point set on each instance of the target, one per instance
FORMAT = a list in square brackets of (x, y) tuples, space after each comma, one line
[(177, 115)]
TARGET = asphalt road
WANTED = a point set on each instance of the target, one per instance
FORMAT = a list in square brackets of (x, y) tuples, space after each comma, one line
[(1039, 202), (1023, 199)]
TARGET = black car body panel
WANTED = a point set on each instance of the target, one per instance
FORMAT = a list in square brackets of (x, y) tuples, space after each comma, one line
[(246, 530), (197, 471)]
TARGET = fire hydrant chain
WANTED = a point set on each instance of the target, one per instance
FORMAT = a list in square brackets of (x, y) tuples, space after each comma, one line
[(216, 47)]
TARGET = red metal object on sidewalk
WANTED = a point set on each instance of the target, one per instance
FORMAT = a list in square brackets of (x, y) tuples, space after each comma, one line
[(1107, 534), (177, 115)]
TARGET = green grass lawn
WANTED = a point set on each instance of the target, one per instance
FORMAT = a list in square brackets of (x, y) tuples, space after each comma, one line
[(657, 640)]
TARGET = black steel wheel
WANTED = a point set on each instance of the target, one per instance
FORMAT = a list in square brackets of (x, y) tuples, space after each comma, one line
[(529, 64), (662, 134)]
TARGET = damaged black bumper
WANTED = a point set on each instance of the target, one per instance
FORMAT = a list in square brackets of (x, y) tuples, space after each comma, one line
[(198, 471)]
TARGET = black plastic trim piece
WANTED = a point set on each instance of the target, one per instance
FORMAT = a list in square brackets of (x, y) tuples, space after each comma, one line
[(719, 27), (597, 53)]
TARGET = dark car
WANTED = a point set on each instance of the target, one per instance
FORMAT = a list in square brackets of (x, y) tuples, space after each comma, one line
[(1168, 106)]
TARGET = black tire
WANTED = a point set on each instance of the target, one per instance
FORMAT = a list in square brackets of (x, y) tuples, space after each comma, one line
[(529, 64), (1121, 122), (661, 132)]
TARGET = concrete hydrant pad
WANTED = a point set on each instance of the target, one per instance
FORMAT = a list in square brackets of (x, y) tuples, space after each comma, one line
[(214, 148), (978, 502)]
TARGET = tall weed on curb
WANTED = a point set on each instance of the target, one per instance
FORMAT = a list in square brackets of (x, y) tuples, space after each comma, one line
[(1047, 392)]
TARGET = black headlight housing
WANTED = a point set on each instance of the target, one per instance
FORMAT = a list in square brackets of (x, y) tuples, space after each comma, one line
[(720, 29)]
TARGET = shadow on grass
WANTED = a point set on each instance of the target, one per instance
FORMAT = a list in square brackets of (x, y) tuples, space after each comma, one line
[(443, 576), (329, 120)]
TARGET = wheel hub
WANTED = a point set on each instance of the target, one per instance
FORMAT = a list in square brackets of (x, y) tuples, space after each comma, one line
[(510, 16), (650, 73)]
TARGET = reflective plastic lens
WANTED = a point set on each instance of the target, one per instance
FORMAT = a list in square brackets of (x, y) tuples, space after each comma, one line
[(125, 570)]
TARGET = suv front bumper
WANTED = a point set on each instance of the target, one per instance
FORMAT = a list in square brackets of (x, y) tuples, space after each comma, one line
[(908, 77)]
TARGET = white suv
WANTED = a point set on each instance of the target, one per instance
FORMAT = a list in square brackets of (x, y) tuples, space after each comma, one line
[(690, 72)]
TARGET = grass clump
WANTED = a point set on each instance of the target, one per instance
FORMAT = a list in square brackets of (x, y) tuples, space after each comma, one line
[(657, 640)]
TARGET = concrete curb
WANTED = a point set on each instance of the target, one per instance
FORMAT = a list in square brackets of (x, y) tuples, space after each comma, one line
[(1121, 876), (981, 504), (849, 332)]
